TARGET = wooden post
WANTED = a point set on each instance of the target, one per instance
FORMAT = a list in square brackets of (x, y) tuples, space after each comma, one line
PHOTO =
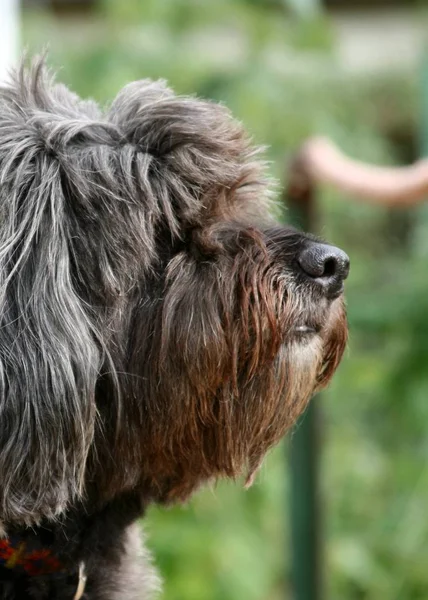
[(305, 441), (9, 36)]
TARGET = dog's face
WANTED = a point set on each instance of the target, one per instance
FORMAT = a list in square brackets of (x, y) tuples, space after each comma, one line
[(245, 326), (158, 329)]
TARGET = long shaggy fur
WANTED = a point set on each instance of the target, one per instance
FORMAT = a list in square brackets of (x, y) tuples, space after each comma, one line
[(148, 308)]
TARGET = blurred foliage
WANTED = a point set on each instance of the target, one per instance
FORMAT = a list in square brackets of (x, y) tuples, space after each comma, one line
[(278, 73)]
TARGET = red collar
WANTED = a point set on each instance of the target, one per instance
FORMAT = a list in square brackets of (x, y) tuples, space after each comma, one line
[(29, 556)]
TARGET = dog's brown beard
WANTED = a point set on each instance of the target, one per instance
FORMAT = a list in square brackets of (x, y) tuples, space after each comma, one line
[(233, 362), (227, 432)]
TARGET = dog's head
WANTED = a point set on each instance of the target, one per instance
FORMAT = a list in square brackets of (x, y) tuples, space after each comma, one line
[(157, 328)]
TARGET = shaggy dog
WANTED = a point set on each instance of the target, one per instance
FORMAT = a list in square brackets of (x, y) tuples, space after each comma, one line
[(157, 329)]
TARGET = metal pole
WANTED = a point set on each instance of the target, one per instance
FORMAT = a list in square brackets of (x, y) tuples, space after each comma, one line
[(424, 107), (9, 36), (421, 224), (305, 442), (305, 506)]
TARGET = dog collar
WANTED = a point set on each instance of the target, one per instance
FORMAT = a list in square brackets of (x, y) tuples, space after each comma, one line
[(28, 557)]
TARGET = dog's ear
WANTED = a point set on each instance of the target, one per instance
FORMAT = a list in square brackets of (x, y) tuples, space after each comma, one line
[(200, 163), (49, 359)]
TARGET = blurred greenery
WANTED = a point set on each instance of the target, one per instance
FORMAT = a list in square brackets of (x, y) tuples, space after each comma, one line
[(278, 73)]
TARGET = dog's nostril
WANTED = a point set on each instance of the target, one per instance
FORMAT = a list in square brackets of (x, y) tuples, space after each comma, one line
[(326, 265), (329, 267)]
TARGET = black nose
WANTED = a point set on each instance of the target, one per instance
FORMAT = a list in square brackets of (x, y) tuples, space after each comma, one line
[(327, 265)]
